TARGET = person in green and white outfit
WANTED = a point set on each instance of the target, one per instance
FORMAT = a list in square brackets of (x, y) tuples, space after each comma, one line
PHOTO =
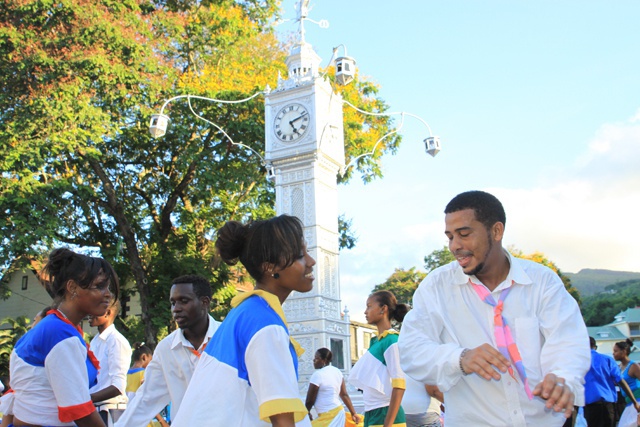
[(378, 373)]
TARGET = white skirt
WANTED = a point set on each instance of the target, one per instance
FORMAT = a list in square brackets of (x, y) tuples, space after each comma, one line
[(629, 417)]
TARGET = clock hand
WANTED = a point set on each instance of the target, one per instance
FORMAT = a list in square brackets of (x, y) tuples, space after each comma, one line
[(297, 118)]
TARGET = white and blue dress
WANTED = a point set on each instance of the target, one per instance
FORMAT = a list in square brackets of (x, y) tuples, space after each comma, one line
[(248, 372)]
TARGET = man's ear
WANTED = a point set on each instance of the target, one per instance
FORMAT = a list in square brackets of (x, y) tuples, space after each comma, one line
[(497, 231), (206, 303)]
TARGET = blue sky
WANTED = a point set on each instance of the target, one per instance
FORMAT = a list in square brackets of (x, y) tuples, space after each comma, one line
[(536, 102)]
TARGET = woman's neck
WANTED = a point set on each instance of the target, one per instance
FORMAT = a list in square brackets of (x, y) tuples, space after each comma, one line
[(383, 325), (278, 291), (70, 312)]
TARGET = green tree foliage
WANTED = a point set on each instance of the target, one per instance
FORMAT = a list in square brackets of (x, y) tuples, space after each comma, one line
[(438, 258), (600, 309), (347, 239), (540, 258), (78, 83), (9, 337), (402, 283)]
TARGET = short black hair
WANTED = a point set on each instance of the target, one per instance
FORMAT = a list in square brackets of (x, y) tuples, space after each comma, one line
[(325, 354), (487, 208), (201, 286), (139, 349)]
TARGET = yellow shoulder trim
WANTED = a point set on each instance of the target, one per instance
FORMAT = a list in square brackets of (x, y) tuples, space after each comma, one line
[(274, 303)]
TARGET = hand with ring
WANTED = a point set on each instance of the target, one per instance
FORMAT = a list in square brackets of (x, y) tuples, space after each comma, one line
[(557, 394)]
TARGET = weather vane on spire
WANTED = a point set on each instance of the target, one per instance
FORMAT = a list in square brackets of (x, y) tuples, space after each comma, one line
[(303, 13)]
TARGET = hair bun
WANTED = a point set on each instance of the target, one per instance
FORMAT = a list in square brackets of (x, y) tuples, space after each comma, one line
[(231, 241), (58, 260)]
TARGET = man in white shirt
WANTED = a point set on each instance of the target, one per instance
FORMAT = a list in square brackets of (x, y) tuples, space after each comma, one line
[(113, 352), (500, 336), (168, 374)]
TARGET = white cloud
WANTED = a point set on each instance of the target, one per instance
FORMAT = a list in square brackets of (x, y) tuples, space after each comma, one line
[(583, 215), (586, 215)]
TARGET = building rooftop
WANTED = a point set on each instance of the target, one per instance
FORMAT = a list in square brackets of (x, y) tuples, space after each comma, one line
[(607, 332), (631, 315)]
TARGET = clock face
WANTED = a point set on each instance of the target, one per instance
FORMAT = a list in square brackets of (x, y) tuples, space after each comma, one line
[(291, 122)]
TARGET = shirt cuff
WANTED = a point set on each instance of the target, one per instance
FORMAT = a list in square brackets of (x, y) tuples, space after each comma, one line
[(283, 406), (399, 383), (75, 412)]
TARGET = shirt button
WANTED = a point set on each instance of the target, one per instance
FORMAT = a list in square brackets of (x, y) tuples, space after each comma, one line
[(515, 412), (509, 383)]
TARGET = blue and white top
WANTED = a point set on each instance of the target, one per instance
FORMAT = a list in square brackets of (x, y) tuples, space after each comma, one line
[(51, 372), (248, 372)]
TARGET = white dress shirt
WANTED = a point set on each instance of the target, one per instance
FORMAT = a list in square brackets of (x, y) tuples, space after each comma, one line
[(166, 378), (113, 351), (448, 316)]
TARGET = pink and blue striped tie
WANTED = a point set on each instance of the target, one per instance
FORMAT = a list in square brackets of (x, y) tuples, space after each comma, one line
[(504, 340)]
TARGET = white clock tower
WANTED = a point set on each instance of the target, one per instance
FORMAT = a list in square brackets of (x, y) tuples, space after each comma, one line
[(305, 147)]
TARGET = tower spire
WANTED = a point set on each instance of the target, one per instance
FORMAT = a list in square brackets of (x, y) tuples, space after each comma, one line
[(303, 62), (303, 12)]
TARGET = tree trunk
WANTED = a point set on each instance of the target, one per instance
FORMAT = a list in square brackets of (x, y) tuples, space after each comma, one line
[(139, 273)]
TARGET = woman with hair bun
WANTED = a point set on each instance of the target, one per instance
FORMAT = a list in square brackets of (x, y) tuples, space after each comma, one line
[(248, 374), (52, 368), (326, 387), (378, 373), (631, 374)]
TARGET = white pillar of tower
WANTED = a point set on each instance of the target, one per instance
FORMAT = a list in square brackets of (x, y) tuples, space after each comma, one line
[(305, 147)]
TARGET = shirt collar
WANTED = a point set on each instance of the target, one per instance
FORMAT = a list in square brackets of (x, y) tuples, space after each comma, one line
[(179, 338), (108, 331), (516, 274), (274, 303), (387, 332)]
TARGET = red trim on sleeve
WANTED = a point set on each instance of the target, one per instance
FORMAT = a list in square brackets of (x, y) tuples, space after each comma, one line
[(75, 412)]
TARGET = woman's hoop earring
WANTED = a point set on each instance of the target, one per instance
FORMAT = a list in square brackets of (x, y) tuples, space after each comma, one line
[(276, 275)]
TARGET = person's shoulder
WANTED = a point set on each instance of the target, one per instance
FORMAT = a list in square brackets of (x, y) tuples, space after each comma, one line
[(166, 342), (444, 275), (335, 372), (117, 335), (535, 270), (255, 313)]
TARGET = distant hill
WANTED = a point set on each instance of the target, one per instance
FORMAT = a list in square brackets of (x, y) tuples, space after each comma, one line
[(600, 309), (593, 281)]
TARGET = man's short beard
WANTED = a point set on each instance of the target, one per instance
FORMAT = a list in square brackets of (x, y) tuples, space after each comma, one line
[(482, 264)]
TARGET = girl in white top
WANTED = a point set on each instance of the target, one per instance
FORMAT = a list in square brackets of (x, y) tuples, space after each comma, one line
[(51, 366), (326, 388)]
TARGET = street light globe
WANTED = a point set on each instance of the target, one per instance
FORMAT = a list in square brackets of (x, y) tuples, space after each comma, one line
[(432, 145), (158, 125), (345, 70)]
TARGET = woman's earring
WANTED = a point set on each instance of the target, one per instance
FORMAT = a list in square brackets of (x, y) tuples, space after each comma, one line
[(276, 275)]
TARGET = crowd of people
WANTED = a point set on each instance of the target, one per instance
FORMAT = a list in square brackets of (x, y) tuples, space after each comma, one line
[(496, 338)]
